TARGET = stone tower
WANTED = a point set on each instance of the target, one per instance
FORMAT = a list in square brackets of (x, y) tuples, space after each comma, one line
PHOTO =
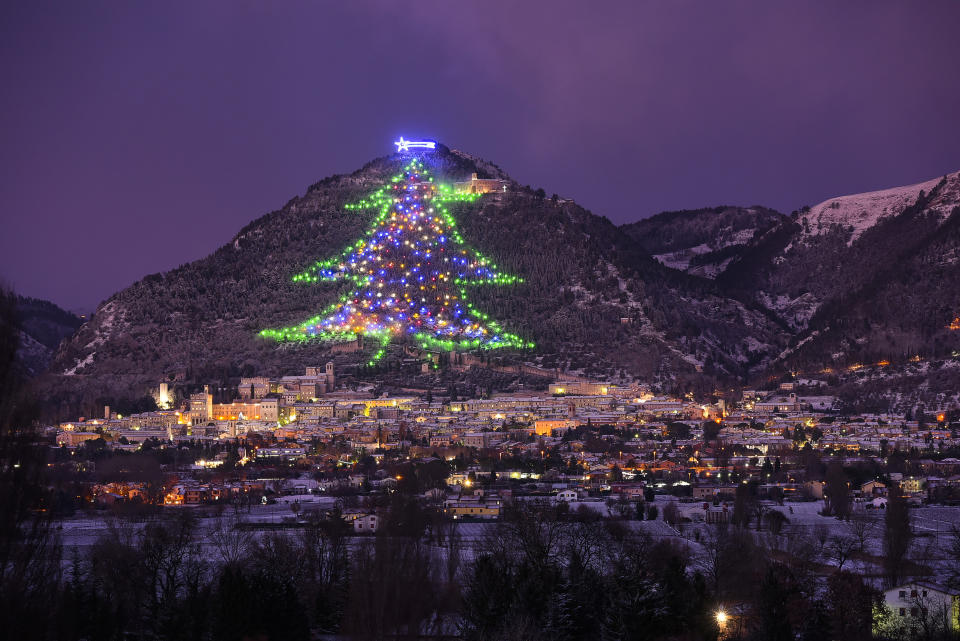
[(331, 381)]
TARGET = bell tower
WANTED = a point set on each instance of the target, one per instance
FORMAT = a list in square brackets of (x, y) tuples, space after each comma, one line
[(331, 381)]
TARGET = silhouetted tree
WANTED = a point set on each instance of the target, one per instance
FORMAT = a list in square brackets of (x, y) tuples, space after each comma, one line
[(896, 536)]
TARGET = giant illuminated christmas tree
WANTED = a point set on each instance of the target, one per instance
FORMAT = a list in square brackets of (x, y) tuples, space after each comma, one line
[(408, 273)]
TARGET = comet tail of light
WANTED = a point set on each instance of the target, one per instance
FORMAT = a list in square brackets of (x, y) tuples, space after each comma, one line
[(407, 145), (408, 274)]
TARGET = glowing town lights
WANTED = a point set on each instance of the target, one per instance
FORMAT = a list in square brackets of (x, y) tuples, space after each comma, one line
[(721, 618), (407, 145), (408, 275)]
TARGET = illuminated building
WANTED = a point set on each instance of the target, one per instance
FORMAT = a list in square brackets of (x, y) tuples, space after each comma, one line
[(201, 406), (480, 185)]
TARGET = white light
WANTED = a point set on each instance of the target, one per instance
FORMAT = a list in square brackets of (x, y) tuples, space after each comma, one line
[(407, 145)]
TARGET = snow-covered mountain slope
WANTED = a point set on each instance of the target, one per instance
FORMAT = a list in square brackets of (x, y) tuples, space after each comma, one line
[(861, 278), (856, 213), (43, 326), (701, 242)]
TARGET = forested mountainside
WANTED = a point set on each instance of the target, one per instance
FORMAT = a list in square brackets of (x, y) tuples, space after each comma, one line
[(870, 286), (702, 241), (865, 278), (870, 278), (591, 300), (43, 325), (858, 279)]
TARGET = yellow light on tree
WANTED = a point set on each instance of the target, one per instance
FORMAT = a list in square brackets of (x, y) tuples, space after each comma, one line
[(409, 273)]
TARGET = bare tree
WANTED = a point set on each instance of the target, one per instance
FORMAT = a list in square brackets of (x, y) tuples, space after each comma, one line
[(670, 513), (172, 562), (805, 553), (775, 521), (860, 527), (29, 550), (732, 556), (392, 590), (840, 548), (532, 531), (759, 512), (621, 506), (232, 543), (821, 534), (837, 492)]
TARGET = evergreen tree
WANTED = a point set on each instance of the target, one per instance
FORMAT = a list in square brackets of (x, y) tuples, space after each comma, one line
[(897, 535)]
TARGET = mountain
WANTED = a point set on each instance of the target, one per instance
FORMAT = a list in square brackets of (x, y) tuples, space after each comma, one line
[(869, 285), (702, 242), (43, 326), (592, 300), (866, 277), (860, 289), (826, 252)]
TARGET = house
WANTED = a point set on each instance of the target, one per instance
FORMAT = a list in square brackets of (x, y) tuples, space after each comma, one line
[(440, 440), (478, 507), (196, 495), (924, 604), (814, 489), (281, 453), (567, 495), (913, 484), (365, 524), (356, 481), (873, 488), (73, 439), (478, 440), (629, 490), (711, 491)]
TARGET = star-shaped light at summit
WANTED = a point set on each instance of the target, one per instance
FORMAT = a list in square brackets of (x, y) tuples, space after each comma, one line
[(409, 274), (407, 145)]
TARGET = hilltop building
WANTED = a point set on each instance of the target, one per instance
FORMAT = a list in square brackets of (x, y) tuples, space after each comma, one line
[(480, 185)]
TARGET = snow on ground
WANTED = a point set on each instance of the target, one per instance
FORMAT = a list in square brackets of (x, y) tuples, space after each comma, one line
[(681, 259), (711, 270), (796, 311), (862, 211), (932, 527), (80, 365)]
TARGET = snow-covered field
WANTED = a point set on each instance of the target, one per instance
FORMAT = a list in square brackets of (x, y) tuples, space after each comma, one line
[(932, 527)]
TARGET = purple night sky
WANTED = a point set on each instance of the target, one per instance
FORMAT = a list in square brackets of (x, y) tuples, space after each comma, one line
[(137, 136)]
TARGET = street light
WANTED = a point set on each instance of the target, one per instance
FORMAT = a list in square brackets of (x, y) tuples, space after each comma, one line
[(721, 617)]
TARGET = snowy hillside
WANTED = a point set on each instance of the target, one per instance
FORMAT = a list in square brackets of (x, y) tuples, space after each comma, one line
[(858, 212), (701, 242)]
